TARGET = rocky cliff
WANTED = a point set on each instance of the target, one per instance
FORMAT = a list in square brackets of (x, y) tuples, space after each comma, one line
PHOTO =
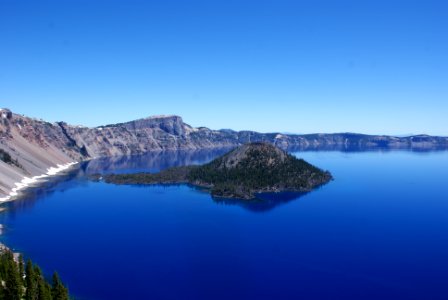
[(31, 146), (171, 133)]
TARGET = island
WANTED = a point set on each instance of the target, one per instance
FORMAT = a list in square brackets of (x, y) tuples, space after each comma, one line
[(242, 173)]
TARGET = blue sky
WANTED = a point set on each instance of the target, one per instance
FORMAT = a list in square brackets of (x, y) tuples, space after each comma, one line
[(290, 66)]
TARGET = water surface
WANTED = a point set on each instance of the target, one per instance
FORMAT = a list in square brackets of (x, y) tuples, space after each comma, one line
[(378, 231)]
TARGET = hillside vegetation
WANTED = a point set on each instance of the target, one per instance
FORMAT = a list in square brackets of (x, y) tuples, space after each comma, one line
[(242, 173), (20, 281)]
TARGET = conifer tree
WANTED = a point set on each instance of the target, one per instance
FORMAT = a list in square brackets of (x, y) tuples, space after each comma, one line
[(13, 282), (58, 291), (44, 289), (33, 286), (31, 282), (21, 268)]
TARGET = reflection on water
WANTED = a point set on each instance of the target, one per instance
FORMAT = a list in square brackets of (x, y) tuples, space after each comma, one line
[(264, 202), (378, 231), (150, 162), (78, 175), (64, 181)]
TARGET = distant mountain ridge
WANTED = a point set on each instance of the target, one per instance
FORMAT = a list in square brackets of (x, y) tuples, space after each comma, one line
[(171, 133), (32, 145)]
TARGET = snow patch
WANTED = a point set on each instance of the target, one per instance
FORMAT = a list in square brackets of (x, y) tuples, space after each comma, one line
[(27, 181)]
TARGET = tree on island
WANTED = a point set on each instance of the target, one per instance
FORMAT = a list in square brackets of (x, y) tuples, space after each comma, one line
[(242, 173)]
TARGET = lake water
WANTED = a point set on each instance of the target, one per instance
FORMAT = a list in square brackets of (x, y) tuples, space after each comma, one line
[(378, 231)]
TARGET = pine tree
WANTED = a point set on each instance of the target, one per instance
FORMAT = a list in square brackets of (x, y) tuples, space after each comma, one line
[(58, 291), (21, 268), (13, 282), (14, 286), (44, 289), (31, 282), (2, 288)]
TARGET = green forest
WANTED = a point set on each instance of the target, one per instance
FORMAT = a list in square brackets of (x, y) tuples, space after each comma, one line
[(26, 281), (241, 173)]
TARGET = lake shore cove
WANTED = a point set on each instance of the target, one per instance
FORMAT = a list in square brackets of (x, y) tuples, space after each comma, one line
[(242, 173)]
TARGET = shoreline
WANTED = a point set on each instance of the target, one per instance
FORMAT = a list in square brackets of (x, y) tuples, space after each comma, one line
[(29, 181)]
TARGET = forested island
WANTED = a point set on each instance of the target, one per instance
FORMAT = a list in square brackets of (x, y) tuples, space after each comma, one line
[(26, 281), (242, 173)]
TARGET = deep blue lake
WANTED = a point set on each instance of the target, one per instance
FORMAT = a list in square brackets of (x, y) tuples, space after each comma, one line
[(378, 231)]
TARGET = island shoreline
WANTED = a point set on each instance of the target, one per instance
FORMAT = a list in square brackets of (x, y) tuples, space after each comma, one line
[(253, 168)]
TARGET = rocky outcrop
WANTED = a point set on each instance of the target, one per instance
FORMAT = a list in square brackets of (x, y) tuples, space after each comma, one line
[(36, 145)]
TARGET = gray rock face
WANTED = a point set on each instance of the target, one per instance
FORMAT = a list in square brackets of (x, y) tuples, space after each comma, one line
[(271, 153), (33, 146), (37, 145)]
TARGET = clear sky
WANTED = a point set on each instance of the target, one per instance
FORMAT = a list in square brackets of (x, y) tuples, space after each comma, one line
[(297, 66)]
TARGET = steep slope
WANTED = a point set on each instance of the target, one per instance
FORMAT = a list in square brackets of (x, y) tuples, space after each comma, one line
[(34, 147)]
